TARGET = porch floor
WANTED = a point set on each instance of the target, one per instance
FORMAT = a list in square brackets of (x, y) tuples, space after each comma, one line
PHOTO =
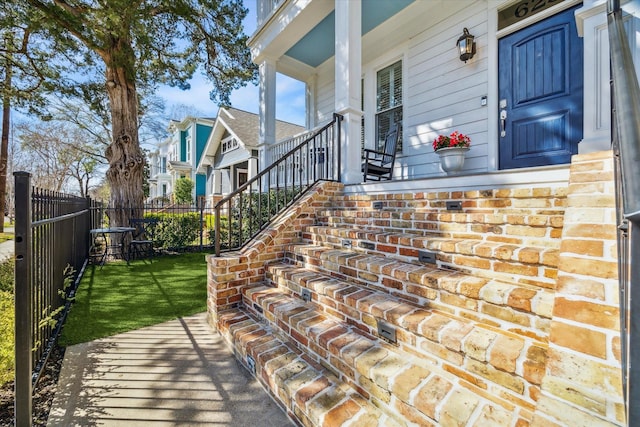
[(175, 373)]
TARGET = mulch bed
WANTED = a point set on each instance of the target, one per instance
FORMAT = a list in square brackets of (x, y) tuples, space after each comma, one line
[(42, 394)]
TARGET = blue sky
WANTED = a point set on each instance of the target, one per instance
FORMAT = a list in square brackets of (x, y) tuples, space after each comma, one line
[(290, 103)]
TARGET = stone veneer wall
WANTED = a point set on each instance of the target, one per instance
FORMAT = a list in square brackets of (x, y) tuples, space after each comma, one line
[(581, 383)]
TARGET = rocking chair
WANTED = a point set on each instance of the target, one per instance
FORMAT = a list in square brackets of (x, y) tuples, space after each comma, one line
[(378, 165)]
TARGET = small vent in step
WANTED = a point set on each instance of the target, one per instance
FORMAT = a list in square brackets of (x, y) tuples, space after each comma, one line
[(367, 245), (454, 205), (386, 331), (346, 244), (251, 364), (305, 294), (426, 256), (377, 205)]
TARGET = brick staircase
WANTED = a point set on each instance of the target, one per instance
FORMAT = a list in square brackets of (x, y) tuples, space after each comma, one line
[(347, 321)]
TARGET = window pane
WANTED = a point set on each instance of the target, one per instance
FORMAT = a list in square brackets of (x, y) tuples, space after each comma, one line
[(389, 87), (389, 102)]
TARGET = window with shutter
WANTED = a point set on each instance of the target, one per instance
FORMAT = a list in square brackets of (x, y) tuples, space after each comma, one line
[(388, 102)]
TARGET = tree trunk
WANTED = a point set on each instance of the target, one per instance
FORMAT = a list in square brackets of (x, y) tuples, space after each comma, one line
[(4, 142), (126, 161)]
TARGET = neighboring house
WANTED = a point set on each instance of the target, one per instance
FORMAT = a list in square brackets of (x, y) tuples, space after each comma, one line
[(177, 157), (231, 154), (160, 184), (489, 297)]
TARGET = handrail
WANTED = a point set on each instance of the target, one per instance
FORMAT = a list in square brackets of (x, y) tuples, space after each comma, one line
[(627, 105), (625, 132), (251, 207)]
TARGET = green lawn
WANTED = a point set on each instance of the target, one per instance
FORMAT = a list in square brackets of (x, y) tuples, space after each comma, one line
[(6, 337), (120, 298)]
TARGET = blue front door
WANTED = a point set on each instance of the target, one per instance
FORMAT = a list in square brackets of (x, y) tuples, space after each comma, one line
[(540, 93)]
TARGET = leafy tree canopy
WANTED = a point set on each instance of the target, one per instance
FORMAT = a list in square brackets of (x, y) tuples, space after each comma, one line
[(182, 191), (123, 47), (168, 40)]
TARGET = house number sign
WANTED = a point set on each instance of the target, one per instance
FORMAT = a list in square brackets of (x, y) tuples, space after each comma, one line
[(522, 10)]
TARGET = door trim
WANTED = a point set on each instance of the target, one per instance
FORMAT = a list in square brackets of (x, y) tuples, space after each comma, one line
[(492, 68), (566, 4)]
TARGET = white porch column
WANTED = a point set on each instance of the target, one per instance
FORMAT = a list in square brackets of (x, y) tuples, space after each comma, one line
[(348, 72), (217, 182), (267, 99), (252, 170), (310, 96)]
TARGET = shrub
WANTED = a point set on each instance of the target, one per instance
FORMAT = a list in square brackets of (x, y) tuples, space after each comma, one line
[(176, 230), (209, 221), (182, 190), (256, 210)]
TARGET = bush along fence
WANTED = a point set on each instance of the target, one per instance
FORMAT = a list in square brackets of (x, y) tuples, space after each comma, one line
[(51, 247), (177, 228)]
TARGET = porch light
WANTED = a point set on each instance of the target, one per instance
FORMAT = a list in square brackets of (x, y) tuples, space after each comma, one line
[(466, 46)]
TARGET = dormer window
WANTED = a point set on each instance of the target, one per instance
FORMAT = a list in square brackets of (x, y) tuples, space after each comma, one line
[(229, 144)]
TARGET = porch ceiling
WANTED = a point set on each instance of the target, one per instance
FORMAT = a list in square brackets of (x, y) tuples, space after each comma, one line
[(318, 45)]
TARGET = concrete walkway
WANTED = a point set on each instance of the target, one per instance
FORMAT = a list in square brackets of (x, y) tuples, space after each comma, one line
[(7, 248), (176, 373)]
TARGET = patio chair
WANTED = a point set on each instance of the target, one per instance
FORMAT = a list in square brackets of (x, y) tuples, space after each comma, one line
[(141, 245), (378, 165)]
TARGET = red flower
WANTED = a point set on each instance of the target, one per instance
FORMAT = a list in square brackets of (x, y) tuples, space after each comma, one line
[(456, 139)]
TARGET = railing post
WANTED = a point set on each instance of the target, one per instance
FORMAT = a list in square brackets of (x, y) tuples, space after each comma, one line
[(338, 144), (216, 234), (23, 309), (201, 203)]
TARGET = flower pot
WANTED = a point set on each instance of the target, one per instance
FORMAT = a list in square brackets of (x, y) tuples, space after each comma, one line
[(452, 158)]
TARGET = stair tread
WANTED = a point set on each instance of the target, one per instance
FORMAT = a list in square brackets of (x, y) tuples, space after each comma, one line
[(427, 285), (418, 384), (306, 388), (435, 241)]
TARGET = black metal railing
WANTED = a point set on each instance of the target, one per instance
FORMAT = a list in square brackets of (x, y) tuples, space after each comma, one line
[(241, 215), (51, 246), (625, 104)]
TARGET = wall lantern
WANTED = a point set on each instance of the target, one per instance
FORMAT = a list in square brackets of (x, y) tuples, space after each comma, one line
[(466, 46)]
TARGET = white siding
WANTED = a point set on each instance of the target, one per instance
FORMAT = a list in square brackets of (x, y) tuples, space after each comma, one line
[(445, 93), (325, 93)]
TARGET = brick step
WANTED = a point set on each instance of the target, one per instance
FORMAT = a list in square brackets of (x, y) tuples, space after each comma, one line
[(532, 265), (307, 390), (506, 223), (393, 380), (520, 309), (493, 354)]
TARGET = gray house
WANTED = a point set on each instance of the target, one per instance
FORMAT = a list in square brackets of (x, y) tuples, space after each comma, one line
[(231, 155)]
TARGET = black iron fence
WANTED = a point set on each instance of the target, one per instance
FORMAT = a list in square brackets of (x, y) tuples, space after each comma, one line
[(174, 227), (51, 246)]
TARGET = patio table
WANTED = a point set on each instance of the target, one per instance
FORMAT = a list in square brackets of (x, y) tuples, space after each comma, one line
[(111, 244)]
